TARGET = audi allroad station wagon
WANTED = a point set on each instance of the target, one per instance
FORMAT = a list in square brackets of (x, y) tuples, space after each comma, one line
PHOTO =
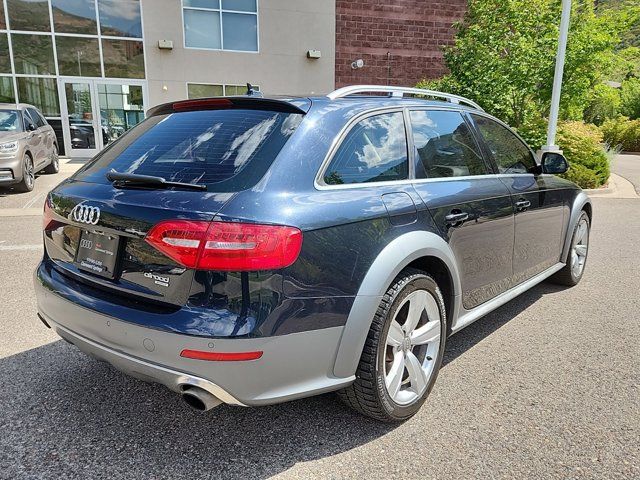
[(28, 144), (252, 250)]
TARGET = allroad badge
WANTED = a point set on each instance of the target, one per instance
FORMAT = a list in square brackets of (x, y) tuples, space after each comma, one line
[(85, 214)]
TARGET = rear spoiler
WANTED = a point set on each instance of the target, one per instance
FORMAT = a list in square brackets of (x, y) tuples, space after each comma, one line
[(224, 103)]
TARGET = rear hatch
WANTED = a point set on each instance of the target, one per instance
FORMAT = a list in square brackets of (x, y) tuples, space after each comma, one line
[(181, 165)]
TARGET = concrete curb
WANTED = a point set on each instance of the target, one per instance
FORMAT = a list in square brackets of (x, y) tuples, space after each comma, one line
[(619, 187)]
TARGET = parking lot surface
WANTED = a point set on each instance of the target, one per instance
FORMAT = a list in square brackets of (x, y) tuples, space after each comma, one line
[(547, 386)]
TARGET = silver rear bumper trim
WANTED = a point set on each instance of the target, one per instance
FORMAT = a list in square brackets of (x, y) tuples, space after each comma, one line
[(142, 369)]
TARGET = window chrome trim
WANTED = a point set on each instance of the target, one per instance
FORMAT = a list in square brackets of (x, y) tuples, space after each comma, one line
[(319, 182)]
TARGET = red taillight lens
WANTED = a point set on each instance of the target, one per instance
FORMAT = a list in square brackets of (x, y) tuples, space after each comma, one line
[(226, 246), (220, 356), (47, 216)]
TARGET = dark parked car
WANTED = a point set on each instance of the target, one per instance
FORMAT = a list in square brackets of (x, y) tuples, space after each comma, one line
[(28, 144), (256, 250)]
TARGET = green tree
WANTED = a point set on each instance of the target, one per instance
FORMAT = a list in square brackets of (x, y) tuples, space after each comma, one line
[(630, 98), (504, 56)]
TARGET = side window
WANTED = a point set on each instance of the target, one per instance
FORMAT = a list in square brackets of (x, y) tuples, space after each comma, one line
[(445, 146), (510, 154), (37, 118), (374, 150), (27, 120)]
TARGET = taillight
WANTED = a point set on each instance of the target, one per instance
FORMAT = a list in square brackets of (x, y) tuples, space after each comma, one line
[(226, 246), (47, 216)]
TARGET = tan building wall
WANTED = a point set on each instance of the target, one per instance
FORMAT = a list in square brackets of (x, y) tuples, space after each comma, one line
[(286, 30)]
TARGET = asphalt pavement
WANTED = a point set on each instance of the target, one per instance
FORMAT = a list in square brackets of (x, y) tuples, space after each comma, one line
[(547, 386)]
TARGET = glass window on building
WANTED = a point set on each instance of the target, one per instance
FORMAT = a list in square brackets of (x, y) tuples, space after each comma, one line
[(5, 61), (202, 90), (123, 58), (40, 92), (120, 18), (74, 16), (232, 25), (121, 107), (230, 90), (6, 90), (78, 56), (3, 21), (30, 15), (33, 54)]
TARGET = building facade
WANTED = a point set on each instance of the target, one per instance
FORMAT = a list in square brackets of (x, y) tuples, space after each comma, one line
[(93, 67), (399, 42)]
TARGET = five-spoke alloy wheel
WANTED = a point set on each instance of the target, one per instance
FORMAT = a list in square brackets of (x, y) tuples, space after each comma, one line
[(403, 350), (572, 272)]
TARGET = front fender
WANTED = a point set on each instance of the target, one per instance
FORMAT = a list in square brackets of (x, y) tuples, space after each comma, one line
[(576, 208), (392, 259)]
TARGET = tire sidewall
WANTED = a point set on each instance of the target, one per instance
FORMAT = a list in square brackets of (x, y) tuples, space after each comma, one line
[(394, 410), (25, 186)]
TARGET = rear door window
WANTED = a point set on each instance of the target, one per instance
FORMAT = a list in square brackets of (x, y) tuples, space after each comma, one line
[(38, 120), (444, 145), (374, 150), (227, 150)]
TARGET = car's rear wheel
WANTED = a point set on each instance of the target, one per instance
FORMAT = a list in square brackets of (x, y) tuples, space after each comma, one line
[(572, 272), (403, 351), (54, 166), (28, 175)]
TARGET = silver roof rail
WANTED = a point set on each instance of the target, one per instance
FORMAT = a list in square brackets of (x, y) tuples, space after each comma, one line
[(400, 92)]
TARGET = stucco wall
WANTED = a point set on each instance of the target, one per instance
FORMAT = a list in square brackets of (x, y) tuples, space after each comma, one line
[(287, 29)]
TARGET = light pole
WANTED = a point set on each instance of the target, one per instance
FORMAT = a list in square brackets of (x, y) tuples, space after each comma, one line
[(557, 79)]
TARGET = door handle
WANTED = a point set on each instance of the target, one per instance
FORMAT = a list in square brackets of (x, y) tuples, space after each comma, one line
[(522, 205), (456, 218)]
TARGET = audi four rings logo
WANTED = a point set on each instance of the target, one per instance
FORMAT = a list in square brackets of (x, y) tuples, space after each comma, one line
[(85, 214)]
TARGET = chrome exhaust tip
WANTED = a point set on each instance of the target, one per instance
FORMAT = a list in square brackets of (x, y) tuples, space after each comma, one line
[(199, 399)]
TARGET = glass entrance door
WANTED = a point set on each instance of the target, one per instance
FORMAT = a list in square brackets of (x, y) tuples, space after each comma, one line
[(96, 112), (80, 120)]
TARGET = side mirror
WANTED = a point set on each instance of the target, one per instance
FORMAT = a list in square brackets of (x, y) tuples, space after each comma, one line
[(553, 162), (31, 127)]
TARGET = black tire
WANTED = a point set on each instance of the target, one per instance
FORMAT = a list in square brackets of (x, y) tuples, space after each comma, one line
[(54, 166), (368, 393), (28, 175), (568, 276)]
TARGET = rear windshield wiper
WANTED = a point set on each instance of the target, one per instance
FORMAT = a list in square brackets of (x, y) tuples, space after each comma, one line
[(135, 180)]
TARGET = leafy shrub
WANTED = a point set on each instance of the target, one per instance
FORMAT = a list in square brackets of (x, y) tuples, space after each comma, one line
[(604, 103), (630, 98), (582, 176), (622, 132), (581, 144)]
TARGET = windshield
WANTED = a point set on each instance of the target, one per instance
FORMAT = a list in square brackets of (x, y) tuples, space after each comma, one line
[(10, 121), (226, 150)]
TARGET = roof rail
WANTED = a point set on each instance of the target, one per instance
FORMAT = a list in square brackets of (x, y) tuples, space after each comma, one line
[(400, 92)]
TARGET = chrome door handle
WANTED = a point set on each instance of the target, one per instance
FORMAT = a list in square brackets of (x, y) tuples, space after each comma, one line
[(456, 218), (522, 205)]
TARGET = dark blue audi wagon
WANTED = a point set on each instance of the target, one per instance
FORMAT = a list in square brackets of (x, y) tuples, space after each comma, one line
[(249, 251)]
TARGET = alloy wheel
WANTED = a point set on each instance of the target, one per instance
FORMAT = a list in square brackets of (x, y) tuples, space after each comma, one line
[(412, 347), (29, 174), (580, 247)]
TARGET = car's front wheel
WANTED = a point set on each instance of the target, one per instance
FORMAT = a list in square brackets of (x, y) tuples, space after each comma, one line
[(572, 272), (403, 351)]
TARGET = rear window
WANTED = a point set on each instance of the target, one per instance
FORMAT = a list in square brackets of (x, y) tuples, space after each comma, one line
[(227, 150)]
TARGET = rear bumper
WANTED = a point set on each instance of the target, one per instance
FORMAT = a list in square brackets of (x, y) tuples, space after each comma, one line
[(292, 366)]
